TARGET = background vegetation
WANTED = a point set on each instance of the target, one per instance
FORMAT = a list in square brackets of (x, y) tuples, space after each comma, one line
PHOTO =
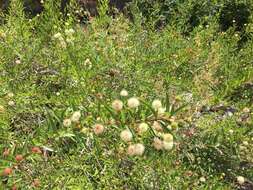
[(195, 56)]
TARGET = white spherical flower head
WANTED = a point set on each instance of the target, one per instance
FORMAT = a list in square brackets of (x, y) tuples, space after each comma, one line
[(133, 102), (246, 110), (142, 128), (126, 135), (167, 145), (11, 103), (66, 122), (123, 93), (10, 95), (76, 116), (131, 150), (117, 105), (18, 62), (57, 35), (157, 143), (240, 180), (156, 104), (139, 149), (202, 179), (168, 137), (98, 129)]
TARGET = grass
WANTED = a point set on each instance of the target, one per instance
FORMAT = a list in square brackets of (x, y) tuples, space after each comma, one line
[(52, 67)]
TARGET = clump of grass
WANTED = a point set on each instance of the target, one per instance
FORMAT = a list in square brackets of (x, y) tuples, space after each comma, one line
[(63, 113)]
